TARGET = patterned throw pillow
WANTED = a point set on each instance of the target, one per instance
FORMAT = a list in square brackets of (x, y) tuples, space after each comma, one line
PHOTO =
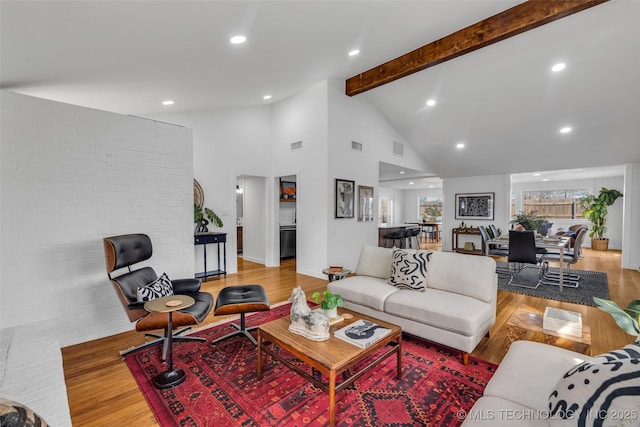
[(629, 351), (14, 414), (162, 287), (409, 269), (597, 394)]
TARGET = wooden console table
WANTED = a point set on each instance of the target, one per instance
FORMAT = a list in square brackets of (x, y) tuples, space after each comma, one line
[(464, 231)]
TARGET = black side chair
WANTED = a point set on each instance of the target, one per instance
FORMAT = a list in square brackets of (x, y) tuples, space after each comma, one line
[(121, 252), (570, 257), (493, 250), (522, 252)]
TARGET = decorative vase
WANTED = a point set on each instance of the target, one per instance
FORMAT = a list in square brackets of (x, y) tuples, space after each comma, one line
[(331, 313)]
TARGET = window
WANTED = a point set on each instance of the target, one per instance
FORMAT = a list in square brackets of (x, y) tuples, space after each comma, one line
[(559, 204), (429, 207), (386, 208)]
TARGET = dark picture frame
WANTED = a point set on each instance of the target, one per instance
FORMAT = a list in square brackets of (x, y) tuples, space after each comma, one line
[(345, 198), (474, 205), (365, 203)]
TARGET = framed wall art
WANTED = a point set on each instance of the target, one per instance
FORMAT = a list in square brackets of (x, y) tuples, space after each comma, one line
[(288, 191), (474, 205), (344, 198), (365, 203)]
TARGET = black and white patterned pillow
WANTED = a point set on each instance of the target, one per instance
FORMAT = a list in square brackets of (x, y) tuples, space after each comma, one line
[(14, 414), (409, 269), (162, 287), (597, 394), (629, 351)]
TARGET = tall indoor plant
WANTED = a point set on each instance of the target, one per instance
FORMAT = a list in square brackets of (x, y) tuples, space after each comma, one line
[(595, 209), (530, 221), (199, 218)]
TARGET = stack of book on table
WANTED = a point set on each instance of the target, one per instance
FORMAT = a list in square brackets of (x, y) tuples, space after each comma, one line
[(362, 333)]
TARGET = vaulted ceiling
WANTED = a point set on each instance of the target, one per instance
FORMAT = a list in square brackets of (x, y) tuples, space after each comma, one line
[(502, 101)]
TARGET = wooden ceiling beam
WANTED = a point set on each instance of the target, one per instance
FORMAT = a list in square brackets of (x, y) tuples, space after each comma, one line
[(516, 20)]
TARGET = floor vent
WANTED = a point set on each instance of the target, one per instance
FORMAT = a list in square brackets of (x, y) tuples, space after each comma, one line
[(296, 145), (398, 149), (356, 146)]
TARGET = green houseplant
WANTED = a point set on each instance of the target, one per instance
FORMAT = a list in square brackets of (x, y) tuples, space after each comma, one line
[(530, 221), (595, 210), (628, 319), (330, 303), (199, 213)]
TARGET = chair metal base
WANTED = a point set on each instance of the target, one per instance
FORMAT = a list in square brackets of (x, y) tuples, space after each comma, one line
[(164, 339), (241, 330)]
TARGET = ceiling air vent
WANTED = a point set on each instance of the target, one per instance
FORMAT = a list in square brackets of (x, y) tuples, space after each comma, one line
[(356, 146), (398, 149), (296, 145)]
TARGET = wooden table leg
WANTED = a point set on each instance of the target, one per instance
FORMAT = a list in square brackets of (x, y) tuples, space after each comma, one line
[(259, 355), (399, 357), (332, 398)]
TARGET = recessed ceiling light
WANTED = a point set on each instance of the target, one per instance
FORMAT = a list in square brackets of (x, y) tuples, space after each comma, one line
[(266, 97), (558, 67), (238, 39), (537, 174), (545, 179), (401, 172), (411, 183), (460, 145), (432, 186), (167, 102), (431, 102), (354, 52), (565, 129)]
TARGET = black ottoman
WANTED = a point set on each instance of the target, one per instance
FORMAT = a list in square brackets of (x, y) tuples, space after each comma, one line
[(241, 299)]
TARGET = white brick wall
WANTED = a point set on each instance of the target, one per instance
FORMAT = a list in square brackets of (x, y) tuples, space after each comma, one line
[(71, 176)]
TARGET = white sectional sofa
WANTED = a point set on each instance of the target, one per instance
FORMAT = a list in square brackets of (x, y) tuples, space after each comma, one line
[(536, 383), (456, 308)]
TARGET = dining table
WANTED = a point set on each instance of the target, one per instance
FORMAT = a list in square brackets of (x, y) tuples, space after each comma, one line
[(555, 243)]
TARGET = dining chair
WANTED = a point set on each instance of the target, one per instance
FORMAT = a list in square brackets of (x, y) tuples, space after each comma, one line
[(493, 251), (522, 254), (569, 257)]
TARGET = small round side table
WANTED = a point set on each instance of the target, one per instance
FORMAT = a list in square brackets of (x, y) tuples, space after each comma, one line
[(171, 377), (336, 274)]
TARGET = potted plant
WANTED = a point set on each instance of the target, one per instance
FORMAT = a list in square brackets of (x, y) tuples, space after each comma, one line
[(595, 209), (628, 319), (330, 303), (529, 221), (199, 213)]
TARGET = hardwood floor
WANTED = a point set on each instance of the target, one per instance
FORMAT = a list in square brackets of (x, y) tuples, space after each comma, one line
[(102, 391)]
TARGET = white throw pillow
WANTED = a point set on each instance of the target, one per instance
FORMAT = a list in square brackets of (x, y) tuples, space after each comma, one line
[(161, 287), (409, 269), (597, 394), (374, 261)]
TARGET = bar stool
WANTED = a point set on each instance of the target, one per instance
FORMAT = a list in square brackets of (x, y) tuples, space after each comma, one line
[(413, 233), (396, 236)]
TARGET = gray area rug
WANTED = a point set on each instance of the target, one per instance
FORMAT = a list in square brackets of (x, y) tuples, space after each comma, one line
[(592, 284)]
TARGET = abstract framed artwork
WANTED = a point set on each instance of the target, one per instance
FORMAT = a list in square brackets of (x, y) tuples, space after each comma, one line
[(365, 203), (345, 198), (474, 205)]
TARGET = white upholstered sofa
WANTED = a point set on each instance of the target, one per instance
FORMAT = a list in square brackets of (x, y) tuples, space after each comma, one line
[(456, 308), (536, 383)]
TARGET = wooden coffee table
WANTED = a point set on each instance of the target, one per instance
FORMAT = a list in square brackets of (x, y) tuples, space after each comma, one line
[(330, 357)]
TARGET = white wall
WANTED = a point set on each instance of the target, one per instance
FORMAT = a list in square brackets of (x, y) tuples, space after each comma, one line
[(226, 143), (353, 119), (303, 117), (631, 229), (71, 176), (498, 184), (255, 224), (614, 217)]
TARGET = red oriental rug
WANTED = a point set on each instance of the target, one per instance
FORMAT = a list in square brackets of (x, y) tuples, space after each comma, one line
[(222, 387)]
